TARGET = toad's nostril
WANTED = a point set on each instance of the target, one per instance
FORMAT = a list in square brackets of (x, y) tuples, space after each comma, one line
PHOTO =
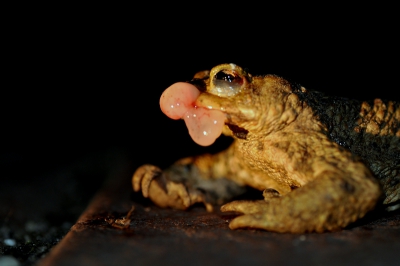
[(200, 84)]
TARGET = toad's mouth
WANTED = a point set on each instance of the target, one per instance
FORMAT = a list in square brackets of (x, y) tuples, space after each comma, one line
[(205, 114), (239, 132)]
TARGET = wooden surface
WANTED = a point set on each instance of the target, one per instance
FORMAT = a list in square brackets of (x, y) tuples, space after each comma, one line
[(170, 237)]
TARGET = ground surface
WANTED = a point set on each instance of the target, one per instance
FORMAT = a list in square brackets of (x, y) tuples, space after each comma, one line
[(195, 237)]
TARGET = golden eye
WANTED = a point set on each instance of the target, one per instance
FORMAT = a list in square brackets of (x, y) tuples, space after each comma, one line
[(227, 83)]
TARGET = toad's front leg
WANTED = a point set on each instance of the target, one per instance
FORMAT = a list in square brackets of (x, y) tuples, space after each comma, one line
[(201, 179), (330, 202), (155, 185)]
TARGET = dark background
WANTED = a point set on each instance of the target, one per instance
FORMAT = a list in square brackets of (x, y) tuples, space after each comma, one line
[(85, 80), (81, 85)]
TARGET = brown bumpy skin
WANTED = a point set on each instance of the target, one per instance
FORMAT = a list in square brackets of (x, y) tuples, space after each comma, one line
[(320, 162)]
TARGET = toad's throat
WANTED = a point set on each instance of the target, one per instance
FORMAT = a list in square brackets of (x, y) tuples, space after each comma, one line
[(239, 132)]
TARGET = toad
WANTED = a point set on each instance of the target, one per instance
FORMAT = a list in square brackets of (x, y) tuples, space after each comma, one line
[(319, 162)]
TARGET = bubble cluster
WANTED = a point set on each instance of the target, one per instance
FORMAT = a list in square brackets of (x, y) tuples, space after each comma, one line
[(204, 125)]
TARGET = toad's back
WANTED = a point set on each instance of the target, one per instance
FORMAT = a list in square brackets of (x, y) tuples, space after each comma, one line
[(370, 130)]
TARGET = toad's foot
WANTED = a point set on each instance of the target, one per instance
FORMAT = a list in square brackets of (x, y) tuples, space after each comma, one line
[(256, 214), (268, 215), (163, 192), (281, 216)]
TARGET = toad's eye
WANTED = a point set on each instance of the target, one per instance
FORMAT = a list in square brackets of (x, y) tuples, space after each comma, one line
[(227, 83)]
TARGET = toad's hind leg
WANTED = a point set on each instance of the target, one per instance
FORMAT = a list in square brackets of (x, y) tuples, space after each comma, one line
[(328, 203)]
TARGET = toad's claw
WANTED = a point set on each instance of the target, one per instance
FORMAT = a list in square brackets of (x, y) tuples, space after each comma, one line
[(166, 193), (143, 176), (179, 192)]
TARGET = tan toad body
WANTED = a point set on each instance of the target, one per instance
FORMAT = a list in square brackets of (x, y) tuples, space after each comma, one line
[(320, 162)]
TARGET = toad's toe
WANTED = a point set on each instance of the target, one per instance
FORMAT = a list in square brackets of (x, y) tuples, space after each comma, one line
[(245, 206)]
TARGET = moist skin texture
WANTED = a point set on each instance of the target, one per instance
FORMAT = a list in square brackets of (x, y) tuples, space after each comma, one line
[(320, 162)]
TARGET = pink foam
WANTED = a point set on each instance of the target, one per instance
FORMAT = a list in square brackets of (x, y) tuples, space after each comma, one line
[(204, 125)]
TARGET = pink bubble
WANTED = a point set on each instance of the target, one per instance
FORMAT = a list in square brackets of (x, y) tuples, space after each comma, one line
[(177, 98), (204, 125)]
